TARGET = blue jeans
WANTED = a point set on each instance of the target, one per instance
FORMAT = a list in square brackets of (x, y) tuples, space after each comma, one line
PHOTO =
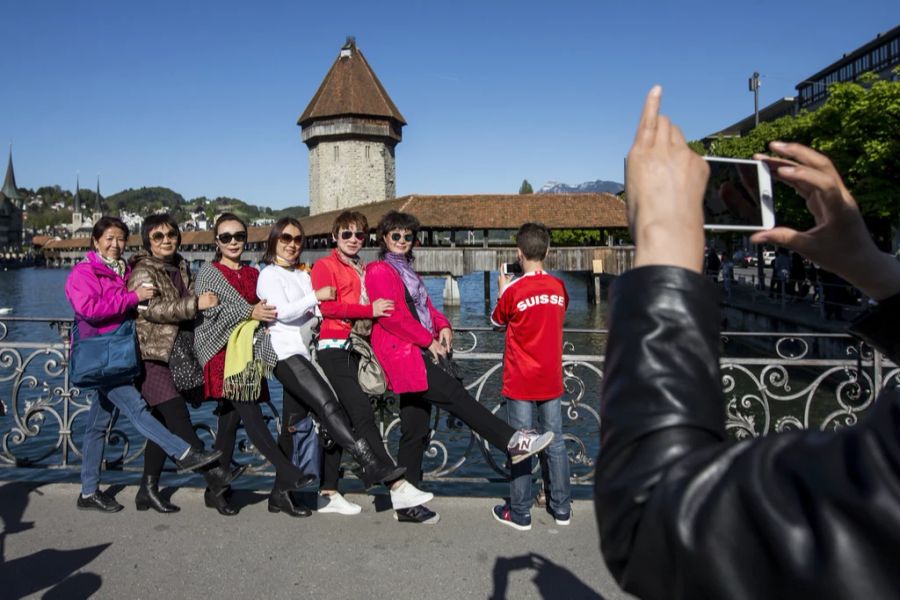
[(130, 403), (521, 416)]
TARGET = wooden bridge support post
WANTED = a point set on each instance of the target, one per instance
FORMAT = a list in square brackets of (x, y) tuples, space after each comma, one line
[(451, 291), (487, 290)]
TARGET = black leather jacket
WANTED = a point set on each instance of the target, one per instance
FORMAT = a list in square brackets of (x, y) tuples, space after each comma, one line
[(685, 513)]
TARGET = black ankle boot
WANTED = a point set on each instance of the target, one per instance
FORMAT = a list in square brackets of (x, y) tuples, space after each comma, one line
[(374, 471), (219, 501), (280, 501), (148, 496), (221, 477)]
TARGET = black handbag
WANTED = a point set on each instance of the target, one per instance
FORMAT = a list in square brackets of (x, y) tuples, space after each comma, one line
[(186, 371), (107, 360)]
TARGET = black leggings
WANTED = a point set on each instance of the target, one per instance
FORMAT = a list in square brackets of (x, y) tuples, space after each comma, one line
[(173, 414), (330, 466), (341, 368), (303, 382), (449, 394), (230, 416)]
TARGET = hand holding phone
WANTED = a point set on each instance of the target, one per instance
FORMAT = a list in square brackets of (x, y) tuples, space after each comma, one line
[(513, 269)]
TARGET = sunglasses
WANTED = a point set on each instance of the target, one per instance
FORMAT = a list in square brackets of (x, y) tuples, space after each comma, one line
[(360, 235), (160, 236), (225, 238), (399, 236), (286, 238)]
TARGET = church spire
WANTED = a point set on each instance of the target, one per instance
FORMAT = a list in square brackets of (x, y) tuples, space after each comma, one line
[(76, 208), (9, 184), (98, 208)]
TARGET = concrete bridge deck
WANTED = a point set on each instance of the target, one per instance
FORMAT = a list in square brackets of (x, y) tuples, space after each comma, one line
[(49, 549)]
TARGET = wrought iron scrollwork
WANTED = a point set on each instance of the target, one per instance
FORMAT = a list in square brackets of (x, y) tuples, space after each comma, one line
[(791, 387)]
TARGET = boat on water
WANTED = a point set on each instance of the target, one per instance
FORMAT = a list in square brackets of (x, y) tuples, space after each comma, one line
[(6, 310)]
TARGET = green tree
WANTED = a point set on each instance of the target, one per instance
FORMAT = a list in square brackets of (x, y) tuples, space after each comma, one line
[(526, 188)]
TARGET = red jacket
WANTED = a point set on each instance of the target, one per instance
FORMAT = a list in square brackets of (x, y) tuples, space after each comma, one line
[(338, 313), (398, 340)]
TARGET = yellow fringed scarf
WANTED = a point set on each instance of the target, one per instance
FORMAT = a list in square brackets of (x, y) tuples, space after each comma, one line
[(243, 372)]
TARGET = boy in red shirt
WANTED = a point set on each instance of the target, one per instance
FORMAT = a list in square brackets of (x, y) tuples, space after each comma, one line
[(532, 308)]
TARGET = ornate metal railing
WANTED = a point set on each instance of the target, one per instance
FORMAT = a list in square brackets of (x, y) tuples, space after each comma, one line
[(771, 383)]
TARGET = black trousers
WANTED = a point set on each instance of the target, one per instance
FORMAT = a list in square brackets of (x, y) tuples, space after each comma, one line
[(230, 416), (174, 415), (293, 411), (447, 393), (303, 382), (341, 367)]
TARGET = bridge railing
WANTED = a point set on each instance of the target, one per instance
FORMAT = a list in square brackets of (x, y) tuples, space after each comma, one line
[(771, 383)]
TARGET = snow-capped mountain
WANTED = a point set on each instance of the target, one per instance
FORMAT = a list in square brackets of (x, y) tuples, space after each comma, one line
[(555, 187)]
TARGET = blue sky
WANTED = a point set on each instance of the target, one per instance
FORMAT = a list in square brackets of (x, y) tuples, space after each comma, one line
[(203, 97)]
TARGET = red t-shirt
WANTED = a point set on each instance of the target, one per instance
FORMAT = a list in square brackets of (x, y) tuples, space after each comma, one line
[(533, 309)]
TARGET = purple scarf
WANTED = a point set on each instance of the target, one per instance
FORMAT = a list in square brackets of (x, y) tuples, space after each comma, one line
[(414, 285)]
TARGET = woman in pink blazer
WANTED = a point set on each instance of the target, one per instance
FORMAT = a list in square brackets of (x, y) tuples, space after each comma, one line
[(409, 344)]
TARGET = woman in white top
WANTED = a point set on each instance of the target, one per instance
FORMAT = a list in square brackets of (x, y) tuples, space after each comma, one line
[(289, 290)]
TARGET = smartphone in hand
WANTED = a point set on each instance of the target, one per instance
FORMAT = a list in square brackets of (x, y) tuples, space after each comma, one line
[(738, 195)]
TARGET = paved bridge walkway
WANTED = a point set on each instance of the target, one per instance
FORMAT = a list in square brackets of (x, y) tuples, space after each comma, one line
[(49, 549)]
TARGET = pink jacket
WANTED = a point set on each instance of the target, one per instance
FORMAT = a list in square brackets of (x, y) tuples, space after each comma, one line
[(398, 340), (98, 296)]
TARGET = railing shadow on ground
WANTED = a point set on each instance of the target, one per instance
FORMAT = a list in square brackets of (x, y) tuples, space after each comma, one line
[(57, 571), (771, 382)]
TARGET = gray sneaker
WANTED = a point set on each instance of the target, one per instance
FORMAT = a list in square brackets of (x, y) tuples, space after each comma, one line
[(417, 514), (526, 442)]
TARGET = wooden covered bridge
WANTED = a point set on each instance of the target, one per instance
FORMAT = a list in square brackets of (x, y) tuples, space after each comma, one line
[(459, 235)]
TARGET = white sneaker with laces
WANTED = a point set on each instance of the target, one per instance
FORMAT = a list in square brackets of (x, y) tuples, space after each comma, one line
[(526, 442), (407, 495), (336, 503)]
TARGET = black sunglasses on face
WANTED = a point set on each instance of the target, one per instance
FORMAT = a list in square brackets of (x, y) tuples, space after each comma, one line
[(159, 236), (398, 236), (287, 238), (360, 235), (225, 238)]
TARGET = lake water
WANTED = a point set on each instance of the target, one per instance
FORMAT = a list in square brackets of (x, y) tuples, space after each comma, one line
[(40, 293)]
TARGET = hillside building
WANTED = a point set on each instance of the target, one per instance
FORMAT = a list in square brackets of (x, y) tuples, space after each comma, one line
[(351, 127)]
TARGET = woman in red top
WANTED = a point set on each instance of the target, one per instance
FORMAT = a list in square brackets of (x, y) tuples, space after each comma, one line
[(235, 286), (351, 311)]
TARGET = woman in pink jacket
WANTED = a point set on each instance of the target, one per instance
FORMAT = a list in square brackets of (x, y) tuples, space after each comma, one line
[(409, 344), (97, 292)]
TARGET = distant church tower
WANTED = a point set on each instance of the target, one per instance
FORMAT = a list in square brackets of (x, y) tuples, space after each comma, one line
[(11, 210), (351, 127), (77, 217), (98, 209)]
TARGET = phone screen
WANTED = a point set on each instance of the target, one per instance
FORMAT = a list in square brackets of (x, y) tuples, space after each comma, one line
[(512, 268), (732, 194)]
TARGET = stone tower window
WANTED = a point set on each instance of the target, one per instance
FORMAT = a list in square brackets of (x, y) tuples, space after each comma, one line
[(337, 152), (367, 153)]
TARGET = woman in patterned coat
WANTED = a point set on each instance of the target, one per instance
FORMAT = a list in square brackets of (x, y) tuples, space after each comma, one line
[(164, 323)]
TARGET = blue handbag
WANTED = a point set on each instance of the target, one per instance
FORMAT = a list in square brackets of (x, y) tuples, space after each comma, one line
[(307, 450), (106, 360)]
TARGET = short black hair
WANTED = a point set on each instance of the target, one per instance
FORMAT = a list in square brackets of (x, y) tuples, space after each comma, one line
[(104, 223), (154, 221), (396, 220), (533, 239)]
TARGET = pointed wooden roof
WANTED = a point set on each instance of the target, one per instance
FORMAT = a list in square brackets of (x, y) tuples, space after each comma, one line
[(9, 184), (350, 88)]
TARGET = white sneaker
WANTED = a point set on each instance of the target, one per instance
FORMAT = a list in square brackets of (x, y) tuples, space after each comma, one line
[(408, 495), (526, 442), (335, 503)]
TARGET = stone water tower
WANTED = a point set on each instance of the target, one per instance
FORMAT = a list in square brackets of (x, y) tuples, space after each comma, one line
[(351, 127)]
